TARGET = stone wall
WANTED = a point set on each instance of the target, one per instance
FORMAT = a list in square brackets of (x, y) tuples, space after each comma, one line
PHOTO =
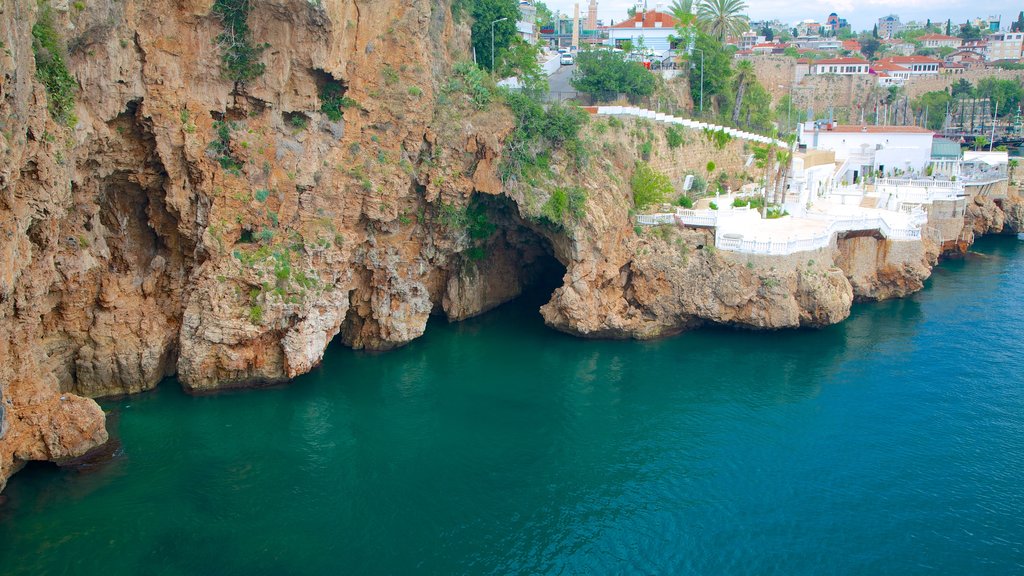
[(921, 85)]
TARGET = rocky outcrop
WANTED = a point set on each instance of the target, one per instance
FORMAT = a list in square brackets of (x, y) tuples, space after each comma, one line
[(227, 229), (880, 269)]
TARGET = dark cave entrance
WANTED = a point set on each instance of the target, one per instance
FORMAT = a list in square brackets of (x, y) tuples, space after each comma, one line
[(508, 259)]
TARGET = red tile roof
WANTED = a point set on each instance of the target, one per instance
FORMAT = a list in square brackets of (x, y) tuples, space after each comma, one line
[(648, 20), (842, 61), (882, 66), (851, 45), (910, 60)]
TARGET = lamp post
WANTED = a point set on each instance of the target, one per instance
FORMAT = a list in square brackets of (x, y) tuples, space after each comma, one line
[(492, 41), (701, 80)]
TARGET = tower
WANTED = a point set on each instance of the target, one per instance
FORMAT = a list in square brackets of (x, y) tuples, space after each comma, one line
[(592, 15), (576, 25)]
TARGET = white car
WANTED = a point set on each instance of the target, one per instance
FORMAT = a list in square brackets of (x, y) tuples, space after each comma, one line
[(567, 60)]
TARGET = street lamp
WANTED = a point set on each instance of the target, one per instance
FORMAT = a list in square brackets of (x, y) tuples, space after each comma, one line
[(492, 41), (701, 80)]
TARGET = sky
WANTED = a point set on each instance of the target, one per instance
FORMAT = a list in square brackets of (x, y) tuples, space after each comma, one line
[(862, 14)]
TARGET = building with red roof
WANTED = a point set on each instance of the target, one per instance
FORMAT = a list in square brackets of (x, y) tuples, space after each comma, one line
[(917, 65), (939, 41), (651, 27), (843, 66)]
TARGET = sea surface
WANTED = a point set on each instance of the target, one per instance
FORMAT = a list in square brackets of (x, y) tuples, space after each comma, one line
[(890, 444)]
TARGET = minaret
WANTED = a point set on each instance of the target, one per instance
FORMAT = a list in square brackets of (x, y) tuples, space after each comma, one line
[(576, 25), (592, 15)]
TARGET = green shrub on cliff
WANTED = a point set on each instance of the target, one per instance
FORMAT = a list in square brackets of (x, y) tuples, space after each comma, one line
[(539, 131), (51, 69), (333, 100), (649, 186), (239, 55), (564, 207)]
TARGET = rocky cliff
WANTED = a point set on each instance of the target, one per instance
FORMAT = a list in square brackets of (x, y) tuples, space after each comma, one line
[(236, 184)]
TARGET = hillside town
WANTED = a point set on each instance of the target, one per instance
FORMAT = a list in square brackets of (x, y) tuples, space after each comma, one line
[(897, 130)]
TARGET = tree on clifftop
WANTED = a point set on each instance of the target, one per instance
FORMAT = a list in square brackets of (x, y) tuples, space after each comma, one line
[(485, 12), (869, 48), (722, 18), (1018, 26)]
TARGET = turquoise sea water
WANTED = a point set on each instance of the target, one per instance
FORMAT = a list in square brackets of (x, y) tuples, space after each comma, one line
[(890, 444)]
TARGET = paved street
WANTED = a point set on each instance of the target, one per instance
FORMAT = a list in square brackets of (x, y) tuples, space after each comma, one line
[(560, 81)]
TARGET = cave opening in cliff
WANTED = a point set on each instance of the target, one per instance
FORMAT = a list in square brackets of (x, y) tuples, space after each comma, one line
[(508, 258)]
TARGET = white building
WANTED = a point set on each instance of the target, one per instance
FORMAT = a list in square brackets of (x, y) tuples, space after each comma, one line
[(916, 65), (939, 41), (866, 150), (889, 26), (652, 27), (1005, 46), (841, 66), (527, 24)]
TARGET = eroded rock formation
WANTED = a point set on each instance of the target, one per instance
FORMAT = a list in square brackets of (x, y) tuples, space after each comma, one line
[(227, 230)]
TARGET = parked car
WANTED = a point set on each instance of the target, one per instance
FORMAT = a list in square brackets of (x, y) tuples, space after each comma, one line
[(567, 60)]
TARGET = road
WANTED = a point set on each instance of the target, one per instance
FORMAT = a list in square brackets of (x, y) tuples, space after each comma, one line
[(560, 81)]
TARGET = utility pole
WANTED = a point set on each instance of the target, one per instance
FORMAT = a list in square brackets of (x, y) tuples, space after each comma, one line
[(701, 80), (492, 41)]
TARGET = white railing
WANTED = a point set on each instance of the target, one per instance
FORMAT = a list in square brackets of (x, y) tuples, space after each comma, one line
[(698, 217), (655, 219), (659, 117), (918, 183), (817, 240), (905, 230)]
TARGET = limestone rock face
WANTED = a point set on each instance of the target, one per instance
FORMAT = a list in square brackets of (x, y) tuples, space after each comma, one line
[(880, 269), (227, 231), (985, 216)]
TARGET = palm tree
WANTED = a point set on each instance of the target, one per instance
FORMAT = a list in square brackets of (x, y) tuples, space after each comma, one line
[(744, 74), (722, 18), (683, 13)]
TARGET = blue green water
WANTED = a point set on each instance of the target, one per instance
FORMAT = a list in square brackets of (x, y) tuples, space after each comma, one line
[(890, 444)]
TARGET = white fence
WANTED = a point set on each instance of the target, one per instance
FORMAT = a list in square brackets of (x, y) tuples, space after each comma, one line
[(686, 123), (893, 226)]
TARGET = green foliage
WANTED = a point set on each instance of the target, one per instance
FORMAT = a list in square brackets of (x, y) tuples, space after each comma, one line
[(297, 120), (539, 131), (717, 137), (685, 202), (710, 167), (564, 207), (261, 195), (674, 136), (521, 60), (478, 225), (1009, 65), (722, 18), (606, 73), (471, 80), (240, 57), (699, 186), (484, 13), (51, 70), (451, 217), (256, 314), (717, 72), (221, 148), (415, 91), (333, 100), (713, 206), (649, 186), (935, 104), (1008, 93)]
